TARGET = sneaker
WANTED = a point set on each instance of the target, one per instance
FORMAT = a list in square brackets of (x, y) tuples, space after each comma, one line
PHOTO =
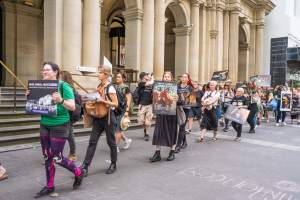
[(283, 124), (188, 131), (2, 173), (78, 180), (127, 143), (118, 149), (146, 137), (237, 139), (277, 124), (44, 191), (112, 168), (251, 131), (85, 170), (226, 129), (72, 157)]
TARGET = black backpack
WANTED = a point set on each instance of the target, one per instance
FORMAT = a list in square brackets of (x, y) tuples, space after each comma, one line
[(136, 95), (121, 109), (75, 115)]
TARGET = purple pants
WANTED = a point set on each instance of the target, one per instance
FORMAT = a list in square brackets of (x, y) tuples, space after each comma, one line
[(53, 153)]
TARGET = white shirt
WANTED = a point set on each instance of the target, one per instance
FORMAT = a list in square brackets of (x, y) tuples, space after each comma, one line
[(215, 95)]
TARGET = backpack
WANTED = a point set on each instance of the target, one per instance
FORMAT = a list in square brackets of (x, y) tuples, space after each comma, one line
[(136, 95), (122, 104), (75, 115)]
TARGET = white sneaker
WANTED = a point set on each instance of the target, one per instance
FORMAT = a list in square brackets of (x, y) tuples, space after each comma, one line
[(118, 150), (283, 124), (237, 139), (2, 171), (127, 143), (277, 124)]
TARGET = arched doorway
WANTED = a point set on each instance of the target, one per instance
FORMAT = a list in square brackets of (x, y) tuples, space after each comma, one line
[(169, 42), (117, 41), (177, 31), (243, 59)]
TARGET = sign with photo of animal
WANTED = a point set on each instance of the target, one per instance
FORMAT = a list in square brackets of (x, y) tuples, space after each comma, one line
[(164, 98), (261, 80), (220, 75), (39, 101), (238, 115), (286, 101)]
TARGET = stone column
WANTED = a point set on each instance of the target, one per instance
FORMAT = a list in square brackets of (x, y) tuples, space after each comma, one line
[(194, 41), (181, 50), (159, 37), (226, 40), (219, 42), (233, 45), (202, 44), (243, 70), (213, 39), (133, 32), (72, 37), (91, 33), (207, 51), (53, 29), (104, 43), (260, 18), (148, 36)]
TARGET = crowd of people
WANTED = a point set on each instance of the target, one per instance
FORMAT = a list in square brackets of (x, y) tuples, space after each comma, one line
[(110, 112)]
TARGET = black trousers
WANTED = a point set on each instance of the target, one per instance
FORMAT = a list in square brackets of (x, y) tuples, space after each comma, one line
[(100, 125), (182, 134), (238, 128)]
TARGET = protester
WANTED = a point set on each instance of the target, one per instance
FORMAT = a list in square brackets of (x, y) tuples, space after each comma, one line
[(126, 95), (3, 174), (107, 123), (239, 101), (226, 97), (145, 113), (54, 131), (165, 132), (280, 115), (185, 89), (209, 102), (253, 99), (67, 77)]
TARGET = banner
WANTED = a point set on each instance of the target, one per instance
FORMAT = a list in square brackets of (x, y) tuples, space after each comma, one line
[(220, 75), (39, 101), (286, 101), (296, 106), (261, 80), (238, 115), (164, 98), (295, 77)]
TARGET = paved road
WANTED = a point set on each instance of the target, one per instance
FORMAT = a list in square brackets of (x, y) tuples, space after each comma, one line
[(263, 166)]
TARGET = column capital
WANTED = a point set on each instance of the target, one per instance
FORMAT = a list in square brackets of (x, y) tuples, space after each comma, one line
[(213, 34), (100, 3), (196, 3), (133, 14), (182, 31), (260, 25)]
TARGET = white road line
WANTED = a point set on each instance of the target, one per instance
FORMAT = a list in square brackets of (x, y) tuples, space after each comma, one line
[(256, 142)]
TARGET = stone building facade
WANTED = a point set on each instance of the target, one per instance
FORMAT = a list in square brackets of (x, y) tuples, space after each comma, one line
[(195, 36)]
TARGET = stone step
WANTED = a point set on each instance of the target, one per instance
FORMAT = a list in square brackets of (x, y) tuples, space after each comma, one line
[(19, 107), (9, 89), (34, 137), (17, 114)]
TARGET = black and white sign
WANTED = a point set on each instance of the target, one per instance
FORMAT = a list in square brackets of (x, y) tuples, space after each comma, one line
[(39, 101)]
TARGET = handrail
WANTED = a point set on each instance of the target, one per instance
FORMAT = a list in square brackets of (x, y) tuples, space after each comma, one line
[(17, 78)]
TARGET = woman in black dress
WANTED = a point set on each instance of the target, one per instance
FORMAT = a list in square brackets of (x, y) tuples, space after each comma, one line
[(165, 132)]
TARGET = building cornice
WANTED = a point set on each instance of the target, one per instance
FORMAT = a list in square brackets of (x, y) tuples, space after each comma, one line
[(21, 9), (182, 31)]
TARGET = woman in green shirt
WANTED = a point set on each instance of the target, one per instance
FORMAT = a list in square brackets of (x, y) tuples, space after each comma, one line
[(54, 130)]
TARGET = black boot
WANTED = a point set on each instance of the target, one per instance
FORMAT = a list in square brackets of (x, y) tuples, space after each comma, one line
[(45, 191), (85, 170), (112, 168), (156, 157), (177, 149), (171, 155), (78, 180), (184, 145)]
